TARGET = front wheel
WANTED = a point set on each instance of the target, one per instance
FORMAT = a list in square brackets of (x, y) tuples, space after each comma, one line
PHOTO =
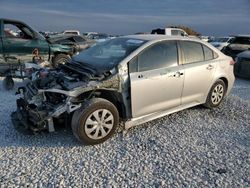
[(95, 121), (216, 94)]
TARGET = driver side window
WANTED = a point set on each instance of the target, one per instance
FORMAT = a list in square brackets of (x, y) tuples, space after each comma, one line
[(12, 30), (160, 55)]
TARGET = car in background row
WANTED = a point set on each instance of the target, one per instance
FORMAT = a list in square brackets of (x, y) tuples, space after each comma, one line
[(242, 65), (205, 38), (21, 47), (111, 84), (48, 34), (221, 42), (239, 44), (76, 42), (170, 32), (98, 37), (71, 32), (86, 34)]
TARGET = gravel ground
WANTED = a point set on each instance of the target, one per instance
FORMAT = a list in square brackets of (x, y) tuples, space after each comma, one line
[(242, 89), (197, 147)]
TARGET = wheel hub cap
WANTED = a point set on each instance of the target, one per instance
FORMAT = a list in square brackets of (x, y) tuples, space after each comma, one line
[(99, 124), (217, 94)]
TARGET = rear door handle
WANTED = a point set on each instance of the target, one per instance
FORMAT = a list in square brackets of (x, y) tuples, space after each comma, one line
[(210, 67), (177, 74)]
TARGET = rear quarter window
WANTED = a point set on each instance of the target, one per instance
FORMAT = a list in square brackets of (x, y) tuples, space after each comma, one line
[(208, 53), (192, 51)]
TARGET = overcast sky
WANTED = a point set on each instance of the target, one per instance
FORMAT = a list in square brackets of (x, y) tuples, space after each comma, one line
[(209, 17)]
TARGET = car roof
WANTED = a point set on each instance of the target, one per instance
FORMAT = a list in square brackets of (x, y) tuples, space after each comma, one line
[(13, 21), (70, 31), (153, 37), (247, 36), (65, 36)]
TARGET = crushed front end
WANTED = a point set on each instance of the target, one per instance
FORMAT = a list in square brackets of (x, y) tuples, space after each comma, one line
[(55, 95), (37, 109)]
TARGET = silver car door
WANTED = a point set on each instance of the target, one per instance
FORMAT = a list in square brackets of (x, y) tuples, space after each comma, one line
[(157, 84), (199, 65)]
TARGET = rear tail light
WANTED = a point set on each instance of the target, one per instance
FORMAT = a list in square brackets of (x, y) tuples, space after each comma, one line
[(232, 62)]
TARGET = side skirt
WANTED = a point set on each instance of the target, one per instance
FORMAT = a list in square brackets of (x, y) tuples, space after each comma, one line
[(143, 119)]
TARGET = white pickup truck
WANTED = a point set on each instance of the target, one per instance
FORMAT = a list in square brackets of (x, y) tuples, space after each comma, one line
[(170, 32)]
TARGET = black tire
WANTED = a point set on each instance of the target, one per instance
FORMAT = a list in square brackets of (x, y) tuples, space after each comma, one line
[(8, 83), (60, 59), (215, 98), (85, 113)]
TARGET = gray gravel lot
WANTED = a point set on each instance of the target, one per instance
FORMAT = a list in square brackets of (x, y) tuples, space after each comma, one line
[(197, 147)]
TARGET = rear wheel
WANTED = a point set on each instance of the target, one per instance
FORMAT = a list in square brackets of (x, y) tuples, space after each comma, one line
[(95, 121), (216, 94)]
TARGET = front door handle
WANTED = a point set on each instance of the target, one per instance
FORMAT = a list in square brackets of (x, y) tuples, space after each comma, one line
[(178, 74), (210, 67)]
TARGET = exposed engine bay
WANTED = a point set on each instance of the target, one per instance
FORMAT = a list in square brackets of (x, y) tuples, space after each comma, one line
[(57, 93)]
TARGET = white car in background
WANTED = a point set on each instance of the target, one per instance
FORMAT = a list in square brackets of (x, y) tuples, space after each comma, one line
[(221, 42), (170, 32), (71, 32), (204, 38), (99, 37)]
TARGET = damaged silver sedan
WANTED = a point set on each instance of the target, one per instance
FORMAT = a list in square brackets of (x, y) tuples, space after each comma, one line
[(128, 80)]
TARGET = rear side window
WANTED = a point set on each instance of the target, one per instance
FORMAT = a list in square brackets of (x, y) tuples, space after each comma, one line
[(208, 53), (193, 51), (160, 55)]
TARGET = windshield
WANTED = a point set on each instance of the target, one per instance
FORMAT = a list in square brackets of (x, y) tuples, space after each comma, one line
[(107, 55)]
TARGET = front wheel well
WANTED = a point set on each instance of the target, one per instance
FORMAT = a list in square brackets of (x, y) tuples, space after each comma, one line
[(112, 96)]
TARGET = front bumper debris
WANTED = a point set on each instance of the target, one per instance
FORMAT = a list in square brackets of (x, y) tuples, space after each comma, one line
[(25, 119), (31, 118)]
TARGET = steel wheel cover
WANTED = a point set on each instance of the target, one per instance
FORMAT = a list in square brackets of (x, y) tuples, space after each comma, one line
[(98, 124)]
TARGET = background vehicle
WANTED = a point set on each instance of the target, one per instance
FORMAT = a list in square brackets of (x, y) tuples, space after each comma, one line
[(170, 32), (221, 42), (98, 37), (21, 47), (86, 34), (239, 44), (76, 42), (71, 32), (204, 38), (242, 65), (104, 85)]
